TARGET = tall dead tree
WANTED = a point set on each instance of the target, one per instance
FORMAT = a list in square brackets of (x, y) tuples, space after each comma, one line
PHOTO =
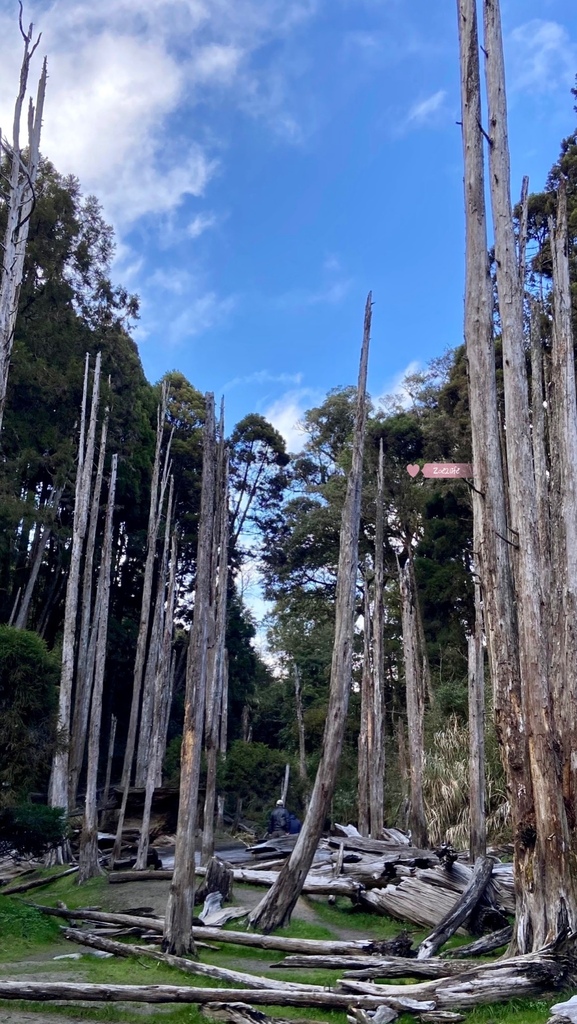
[(476, 673), (157, 494), (545, 852), (365, 738), (377, 749), (58, 791), (43, 534), (21, 178), (215, 678), (88, 863), (277, 906), (415, 694), (179, 910), (299, 711)]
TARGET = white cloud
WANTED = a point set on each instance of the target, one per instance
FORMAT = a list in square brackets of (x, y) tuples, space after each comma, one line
[(119, 72), (263, 377), (287, 412), (394, 387), (424, 112), (200, 223), (543, 56)]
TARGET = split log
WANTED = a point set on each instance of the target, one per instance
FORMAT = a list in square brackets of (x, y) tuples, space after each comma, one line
[(487, 944), (67, 992), (380, 846), (38, 882), (379, 967), (460, 912), (410, 900), (181, 963), (240, 1013), (218, 877)]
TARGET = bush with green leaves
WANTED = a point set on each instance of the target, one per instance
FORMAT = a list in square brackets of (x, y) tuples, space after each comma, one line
[(29, 674), (32, 828), (253, 773)]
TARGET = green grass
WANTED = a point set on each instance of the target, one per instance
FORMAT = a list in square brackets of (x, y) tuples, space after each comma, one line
[(23, 929)]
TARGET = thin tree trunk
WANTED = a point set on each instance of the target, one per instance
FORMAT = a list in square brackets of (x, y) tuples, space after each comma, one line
[(489, 500), (223, 736), (20, 206), (111, 742), (365, 737), (412, 656), (300, 724), (58, 791), (156, 501), (216, 657), (545, 852), (85, 664), (21, 620), (179, 910), (88, 864), (167, 574), (279, 902), (478, 823), (377, 773)]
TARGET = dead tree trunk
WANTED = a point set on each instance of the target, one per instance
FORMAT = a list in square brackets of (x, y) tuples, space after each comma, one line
[(58, 791), (365, 738), (111, 742), (413, 660), (279, 902), (215, 676), (544, 853), (156, 503), (489, 501), (300, 724), (377, 752), (162, 668), (37, 555), (21, 182), (478, 824), (179, 910), (86, 651), (88, 864), (222, 743)]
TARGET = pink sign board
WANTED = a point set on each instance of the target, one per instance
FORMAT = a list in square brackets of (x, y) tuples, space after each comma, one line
[(443, 470)]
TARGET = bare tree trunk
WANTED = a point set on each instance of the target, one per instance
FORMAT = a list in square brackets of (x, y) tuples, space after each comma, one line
[(412, 656), (88, 864), (279, 902), (377, 754), (111, 742), (478, 824), (539, 439), (223, 736), (85, 663), (156, 503), (216, 657), (489, 500), (20, 206), (167, 576), (365, 738), (545, 853), (562, 405), (179, 910), (58, 791), (21, 619), (300, 724)]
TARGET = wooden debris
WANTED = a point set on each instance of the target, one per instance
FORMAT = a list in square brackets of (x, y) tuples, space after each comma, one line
[(485, 945), (461, 910), (240, 1013), (378, 966)]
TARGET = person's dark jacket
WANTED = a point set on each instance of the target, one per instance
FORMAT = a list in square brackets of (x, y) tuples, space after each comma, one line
[(279, 820)]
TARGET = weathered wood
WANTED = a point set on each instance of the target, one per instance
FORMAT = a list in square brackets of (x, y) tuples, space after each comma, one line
[(37, 883), (365, 730), (67, 992), (410, 900), (180, 906), (240, 1013), (277, 906), (377, 745), (460, 912), (219, 877), (415, 696), (118, 877), (378, 966), (487, 944), (476, 678)]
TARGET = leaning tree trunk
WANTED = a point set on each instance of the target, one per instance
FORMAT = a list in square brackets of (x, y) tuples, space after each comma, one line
[(489, 498), (22, 180), (545, 852), (415, 691), (88, 863), (179, 910), (58, 791), (37, 555), (277, 906)]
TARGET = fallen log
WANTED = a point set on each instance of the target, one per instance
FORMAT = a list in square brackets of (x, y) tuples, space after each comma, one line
[(324, 886), (378, 966), (181, 963), (410, 900), (161, 875), (460, 911), (37, 883), (240, 1013), (484, 945), (38, 991)]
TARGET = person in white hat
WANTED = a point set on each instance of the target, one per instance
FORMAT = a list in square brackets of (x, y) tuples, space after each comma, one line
[(278, 824)]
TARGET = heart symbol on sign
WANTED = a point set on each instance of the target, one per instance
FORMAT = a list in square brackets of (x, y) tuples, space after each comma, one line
[(413, 470)]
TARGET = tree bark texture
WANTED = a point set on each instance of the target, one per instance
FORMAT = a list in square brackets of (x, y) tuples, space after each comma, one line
[(377, 750), (278, 904), (546, 895), (179, 911), (23, 171), (476, 672), (365, 737)]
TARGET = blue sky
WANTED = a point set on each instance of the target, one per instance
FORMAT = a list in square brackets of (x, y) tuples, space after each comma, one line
[(267, 162)]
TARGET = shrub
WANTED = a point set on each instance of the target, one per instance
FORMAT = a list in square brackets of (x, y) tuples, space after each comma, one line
[(32, 828)]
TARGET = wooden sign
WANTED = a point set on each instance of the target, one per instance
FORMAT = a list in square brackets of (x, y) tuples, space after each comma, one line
[(443, 470)]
